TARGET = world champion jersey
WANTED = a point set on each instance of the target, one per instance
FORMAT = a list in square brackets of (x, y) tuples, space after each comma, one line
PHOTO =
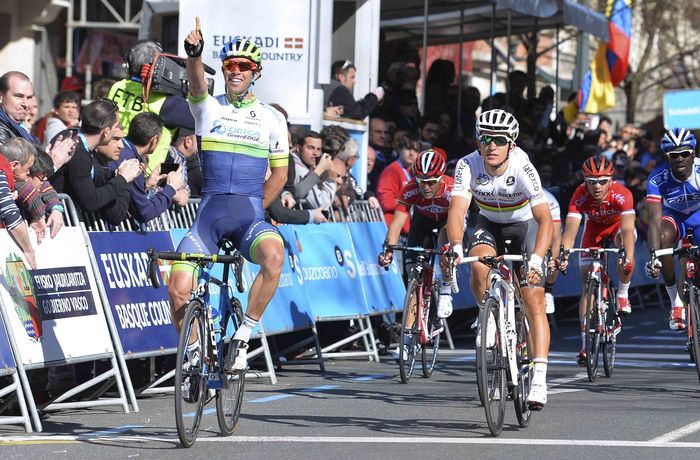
[(236, 143), (678, 198), (617, 203), (507, 198), (433, 208)]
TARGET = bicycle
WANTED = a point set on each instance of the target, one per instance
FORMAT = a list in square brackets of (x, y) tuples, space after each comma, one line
[(420, 304), (201, 323), (504, 362), (601, 323), (691, 294)]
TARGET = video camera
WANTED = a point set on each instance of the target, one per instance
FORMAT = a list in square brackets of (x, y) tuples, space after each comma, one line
[(167, 75)]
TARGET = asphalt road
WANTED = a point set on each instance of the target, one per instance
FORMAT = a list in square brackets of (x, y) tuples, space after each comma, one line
[(650, 408)]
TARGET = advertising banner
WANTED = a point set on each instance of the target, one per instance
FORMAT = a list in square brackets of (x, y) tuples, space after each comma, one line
[(53, 312), (281, 29), (329, 270), (682, 108), (7, 360), (384, 289), (141, 313)]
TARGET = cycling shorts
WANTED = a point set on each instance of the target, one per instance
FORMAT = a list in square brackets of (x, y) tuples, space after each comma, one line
[(683, 223), (235, 217), (421, 234), (597, 235)]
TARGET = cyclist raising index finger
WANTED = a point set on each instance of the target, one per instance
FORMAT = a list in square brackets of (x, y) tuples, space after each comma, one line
[(512, 206), (238, 135)]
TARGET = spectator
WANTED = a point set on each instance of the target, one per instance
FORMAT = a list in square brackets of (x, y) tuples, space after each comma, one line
[(312, 169), (517, 83), (32, 115), (406, 111), (339, 92), (173, 109), (16, 92), (185, 146), (98, 126), (395, 176), (117, 210), (12, 218), (66, 114), (143, 138), (429, 130), (372, 172), (380, 141), (440, 77), (100, 89)]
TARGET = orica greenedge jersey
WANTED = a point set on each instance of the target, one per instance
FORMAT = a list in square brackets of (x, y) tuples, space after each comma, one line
[(236, 143)]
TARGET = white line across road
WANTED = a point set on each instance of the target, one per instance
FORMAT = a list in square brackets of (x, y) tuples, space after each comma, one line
[(679, 433), (368, 440)]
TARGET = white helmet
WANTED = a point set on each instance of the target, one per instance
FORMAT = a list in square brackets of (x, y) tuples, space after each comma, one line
[(497, 122)]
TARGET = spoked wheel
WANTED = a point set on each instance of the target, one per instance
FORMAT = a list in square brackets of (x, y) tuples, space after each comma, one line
[(592, 328), (409, 333), (522, 354), (492, 367), (610, 334), (694, 328), (190, 381), (435, 327), (230, 398)]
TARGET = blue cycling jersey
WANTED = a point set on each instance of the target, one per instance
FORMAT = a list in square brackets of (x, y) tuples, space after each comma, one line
[(679, 200)]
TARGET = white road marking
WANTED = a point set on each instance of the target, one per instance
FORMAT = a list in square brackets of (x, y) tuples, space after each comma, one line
[(678, 434), (662, 338)]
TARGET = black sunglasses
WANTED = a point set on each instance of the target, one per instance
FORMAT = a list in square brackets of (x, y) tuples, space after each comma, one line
[(680, 153)]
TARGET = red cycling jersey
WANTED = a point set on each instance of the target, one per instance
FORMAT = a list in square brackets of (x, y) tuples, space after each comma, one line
[(602, 218), (433, 208)]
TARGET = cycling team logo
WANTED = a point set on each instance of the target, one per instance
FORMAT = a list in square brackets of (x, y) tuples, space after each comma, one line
[(21, 290), (218, 128)]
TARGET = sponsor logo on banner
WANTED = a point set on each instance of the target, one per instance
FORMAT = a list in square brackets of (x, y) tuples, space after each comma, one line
[(63, 292), (275, 47)]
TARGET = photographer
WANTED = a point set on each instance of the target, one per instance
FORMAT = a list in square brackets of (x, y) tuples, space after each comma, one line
[(128, 94)]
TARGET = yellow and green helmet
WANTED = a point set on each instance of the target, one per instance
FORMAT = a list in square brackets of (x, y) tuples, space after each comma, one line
[(242, 47)]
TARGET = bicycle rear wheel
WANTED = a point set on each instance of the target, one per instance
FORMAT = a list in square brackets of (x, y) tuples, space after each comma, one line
[(592, 330), (694, 328), (609, 334), (230, 398), (409, 333), (190, 380), (525, 371), (435, 327), (492, 367)]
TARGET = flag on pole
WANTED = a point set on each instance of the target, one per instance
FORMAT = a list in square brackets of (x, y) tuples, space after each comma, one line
[(609, 66)]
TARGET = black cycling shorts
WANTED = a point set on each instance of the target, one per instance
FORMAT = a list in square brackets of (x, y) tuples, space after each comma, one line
[(421, 234)]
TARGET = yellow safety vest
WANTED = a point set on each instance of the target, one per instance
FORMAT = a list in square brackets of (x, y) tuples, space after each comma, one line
[(128, 95)]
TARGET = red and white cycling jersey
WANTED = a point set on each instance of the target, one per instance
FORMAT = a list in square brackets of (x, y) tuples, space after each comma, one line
[(433, 208), (602, 218)]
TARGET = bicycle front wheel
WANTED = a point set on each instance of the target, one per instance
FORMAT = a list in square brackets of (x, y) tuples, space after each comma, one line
[(492, 367), (190, 380), (694, 328), (592, 330), (525, 371), (610, 334), (435, 327), (410, 338)]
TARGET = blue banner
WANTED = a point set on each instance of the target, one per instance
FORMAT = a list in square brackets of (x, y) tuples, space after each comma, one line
[(141, 313), (329, 271), (383, 289), (7, 360), (682, 108)]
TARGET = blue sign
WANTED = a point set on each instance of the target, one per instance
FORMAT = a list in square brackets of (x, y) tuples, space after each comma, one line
[(7, 360), (141, 313), (384, 289), (682, 109), (329, 271)]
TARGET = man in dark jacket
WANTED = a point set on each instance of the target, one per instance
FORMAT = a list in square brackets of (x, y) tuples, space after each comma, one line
[(339, 92)]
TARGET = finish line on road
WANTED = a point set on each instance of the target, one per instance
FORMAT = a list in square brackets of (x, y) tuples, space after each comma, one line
[(15, 440)]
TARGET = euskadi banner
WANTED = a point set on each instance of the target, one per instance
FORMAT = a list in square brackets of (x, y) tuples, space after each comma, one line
[(384, 289), (281, 29), (7, 361), (53, 311), (329, 271), (140, 312)]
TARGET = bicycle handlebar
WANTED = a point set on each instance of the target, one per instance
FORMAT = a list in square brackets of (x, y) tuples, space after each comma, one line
[(397, 247), (235, 259)]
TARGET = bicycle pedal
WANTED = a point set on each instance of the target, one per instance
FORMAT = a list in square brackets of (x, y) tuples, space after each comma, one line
[(437, 332)]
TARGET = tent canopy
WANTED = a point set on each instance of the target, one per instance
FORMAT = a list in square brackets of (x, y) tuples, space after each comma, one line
[(403, 19)]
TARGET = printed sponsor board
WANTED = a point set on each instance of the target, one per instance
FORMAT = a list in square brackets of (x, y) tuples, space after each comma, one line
[(7, 360), (53, 312)]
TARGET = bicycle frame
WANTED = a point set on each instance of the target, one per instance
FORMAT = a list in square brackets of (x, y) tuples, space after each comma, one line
[(599, 269)]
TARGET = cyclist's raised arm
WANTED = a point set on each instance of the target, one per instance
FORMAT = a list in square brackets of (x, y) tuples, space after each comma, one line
[(194, 44)]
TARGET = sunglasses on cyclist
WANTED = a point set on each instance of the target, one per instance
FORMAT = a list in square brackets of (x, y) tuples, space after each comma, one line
[(431, 181), (680, 153), (500, 141), (244, 65), (593, 181)]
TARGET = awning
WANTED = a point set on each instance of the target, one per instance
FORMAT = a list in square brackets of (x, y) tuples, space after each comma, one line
[(403, 19)]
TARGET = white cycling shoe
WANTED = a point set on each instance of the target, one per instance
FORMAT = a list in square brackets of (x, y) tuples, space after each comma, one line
[(537, 397), (548, 303), (237, 358), (444, 309)]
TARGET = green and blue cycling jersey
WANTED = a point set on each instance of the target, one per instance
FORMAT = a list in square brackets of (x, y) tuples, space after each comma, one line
[(236, 143)]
